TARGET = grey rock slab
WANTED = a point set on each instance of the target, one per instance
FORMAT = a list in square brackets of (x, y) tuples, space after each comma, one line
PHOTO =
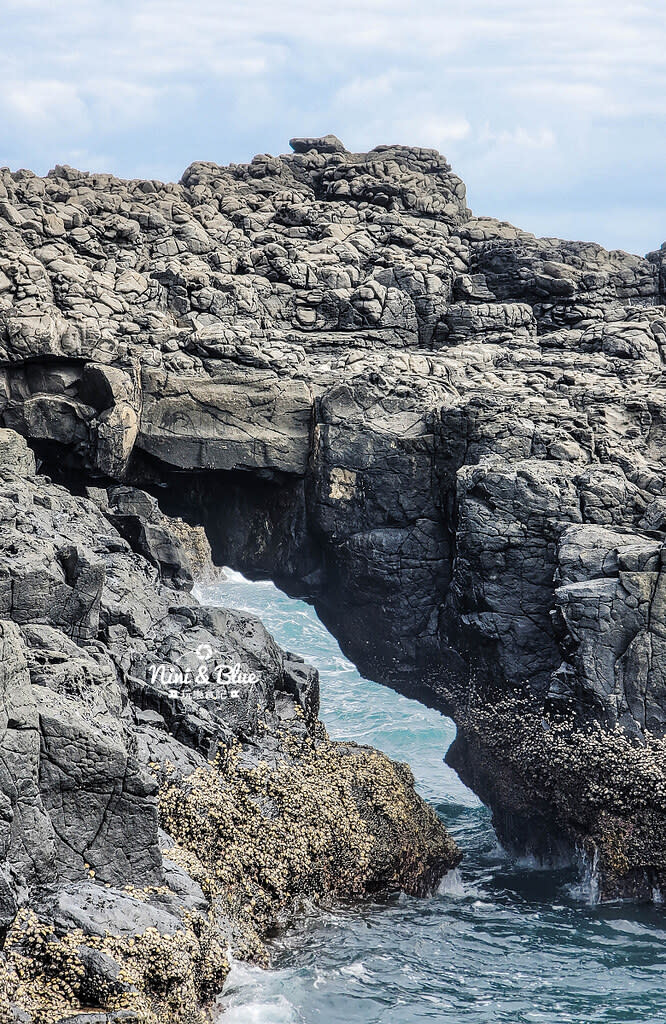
[(214, 425), (98, 910)]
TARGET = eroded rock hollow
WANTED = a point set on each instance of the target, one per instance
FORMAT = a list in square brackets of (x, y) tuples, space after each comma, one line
[(444, 432)]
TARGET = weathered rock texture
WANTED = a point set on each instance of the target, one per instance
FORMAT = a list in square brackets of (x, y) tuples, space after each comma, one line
[(446, 433), (119, 713)]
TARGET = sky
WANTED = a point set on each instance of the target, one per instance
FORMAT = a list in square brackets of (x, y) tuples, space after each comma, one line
[(552, 111)]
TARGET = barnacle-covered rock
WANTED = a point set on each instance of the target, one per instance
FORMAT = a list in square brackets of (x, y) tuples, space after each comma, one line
[(127, 708)]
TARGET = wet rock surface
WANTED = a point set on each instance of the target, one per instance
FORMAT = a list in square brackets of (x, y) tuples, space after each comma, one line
[(446, 433)]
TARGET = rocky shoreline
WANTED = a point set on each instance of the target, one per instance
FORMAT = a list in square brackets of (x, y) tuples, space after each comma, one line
[(169, 795), (445, 433)]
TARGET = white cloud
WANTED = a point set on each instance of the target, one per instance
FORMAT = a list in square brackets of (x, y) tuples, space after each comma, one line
[(439, 131), (38, 101), (536, 98), (578, 51), (113, 97), (84, 158), (519, 138), (368, 90)]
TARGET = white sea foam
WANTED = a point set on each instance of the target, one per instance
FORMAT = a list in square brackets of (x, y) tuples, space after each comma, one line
[(356, 970), (587, 889), (273, 1011), (453, 885), (254, 996), (232, 576)]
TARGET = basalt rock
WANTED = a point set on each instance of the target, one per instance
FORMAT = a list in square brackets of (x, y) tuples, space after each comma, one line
[(446, 433), (116, 686)]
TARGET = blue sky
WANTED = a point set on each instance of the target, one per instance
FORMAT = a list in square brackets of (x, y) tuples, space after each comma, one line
[(554, 113)]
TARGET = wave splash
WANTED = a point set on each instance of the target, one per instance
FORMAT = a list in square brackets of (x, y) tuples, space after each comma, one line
[(255, 996)]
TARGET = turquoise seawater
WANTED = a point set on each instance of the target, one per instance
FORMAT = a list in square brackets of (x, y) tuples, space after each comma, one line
[(500, 941)]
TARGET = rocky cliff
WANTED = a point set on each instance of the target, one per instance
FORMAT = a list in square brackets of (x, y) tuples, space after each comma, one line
[(446, 433), (167, 794)]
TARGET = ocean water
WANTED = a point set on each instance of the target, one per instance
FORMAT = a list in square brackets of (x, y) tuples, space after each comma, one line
[(499, 942)]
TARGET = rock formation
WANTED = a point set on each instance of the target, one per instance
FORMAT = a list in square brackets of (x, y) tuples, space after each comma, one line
[(166, 791), (444, 432)]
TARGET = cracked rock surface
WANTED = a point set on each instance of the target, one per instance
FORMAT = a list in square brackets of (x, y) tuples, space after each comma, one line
[(114, 687), (445, 432)]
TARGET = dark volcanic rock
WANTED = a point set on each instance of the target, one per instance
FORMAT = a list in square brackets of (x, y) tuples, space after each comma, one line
[(327, 144), (445, 432), (116, 685)]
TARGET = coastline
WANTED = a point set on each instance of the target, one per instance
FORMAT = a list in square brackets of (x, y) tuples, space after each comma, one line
[(228, 806)]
